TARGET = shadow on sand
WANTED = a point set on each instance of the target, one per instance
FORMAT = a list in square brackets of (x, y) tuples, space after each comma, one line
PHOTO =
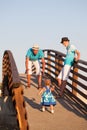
[(32, 103)]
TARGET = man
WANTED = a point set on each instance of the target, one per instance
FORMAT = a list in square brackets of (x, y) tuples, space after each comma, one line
[(72, 55), (33, 56)]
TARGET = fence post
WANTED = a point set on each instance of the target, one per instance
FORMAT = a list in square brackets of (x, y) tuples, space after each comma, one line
[(75, 69)]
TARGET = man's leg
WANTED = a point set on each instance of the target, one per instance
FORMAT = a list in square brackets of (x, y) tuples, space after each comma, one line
[(65, 73), (59, 82), (38, 72), (60, 77), (29, 72), (39, 81), (62, 87), (28, 80)]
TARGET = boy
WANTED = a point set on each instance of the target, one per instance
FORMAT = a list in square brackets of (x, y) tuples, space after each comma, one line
[(72, 55)]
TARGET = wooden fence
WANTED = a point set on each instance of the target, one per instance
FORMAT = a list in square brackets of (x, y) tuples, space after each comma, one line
[(11, 81), (77, 82)]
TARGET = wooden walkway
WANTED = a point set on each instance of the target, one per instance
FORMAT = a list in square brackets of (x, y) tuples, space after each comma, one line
[(67, 115)]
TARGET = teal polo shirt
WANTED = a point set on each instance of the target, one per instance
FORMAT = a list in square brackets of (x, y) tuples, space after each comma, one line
[(69, 60), (34, 57)]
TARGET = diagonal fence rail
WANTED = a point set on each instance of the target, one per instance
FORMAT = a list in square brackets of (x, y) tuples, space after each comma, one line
[(11, 82)]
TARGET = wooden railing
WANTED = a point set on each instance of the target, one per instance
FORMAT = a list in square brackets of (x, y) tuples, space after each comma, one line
[(12, 83), (77, 82)]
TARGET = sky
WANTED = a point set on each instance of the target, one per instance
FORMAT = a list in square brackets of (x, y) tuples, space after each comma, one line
[(25, 22)]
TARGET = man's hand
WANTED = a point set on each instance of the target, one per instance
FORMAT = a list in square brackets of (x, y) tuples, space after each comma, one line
[(76, 59), (78, 56), (43, 66), (26, 71)]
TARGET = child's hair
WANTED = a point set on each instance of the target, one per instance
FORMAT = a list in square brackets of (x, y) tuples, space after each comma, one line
[(47, 82)]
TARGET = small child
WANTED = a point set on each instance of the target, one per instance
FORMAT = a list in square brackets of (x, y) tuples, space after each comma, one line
[(47, 98), (72, 55)]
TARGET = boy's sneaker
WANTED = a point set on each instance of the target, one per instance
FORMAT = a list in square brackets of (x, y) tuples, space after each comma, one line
[(52, 111), (43, 109)]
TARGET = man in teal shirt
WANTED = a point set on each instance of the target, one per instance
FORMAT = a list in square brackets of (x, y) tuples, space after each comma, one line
[(72, 55), (33, 56)]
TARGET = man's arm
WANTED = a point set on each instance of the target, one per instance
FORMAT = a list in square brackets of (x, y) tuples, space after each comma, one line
[(43, 65), (26, 63), (78, 55)]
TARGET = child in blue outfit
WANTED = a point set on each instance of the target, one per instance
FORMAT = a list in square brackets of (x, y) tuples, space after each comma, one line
[(47, 98), (72, 55)]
